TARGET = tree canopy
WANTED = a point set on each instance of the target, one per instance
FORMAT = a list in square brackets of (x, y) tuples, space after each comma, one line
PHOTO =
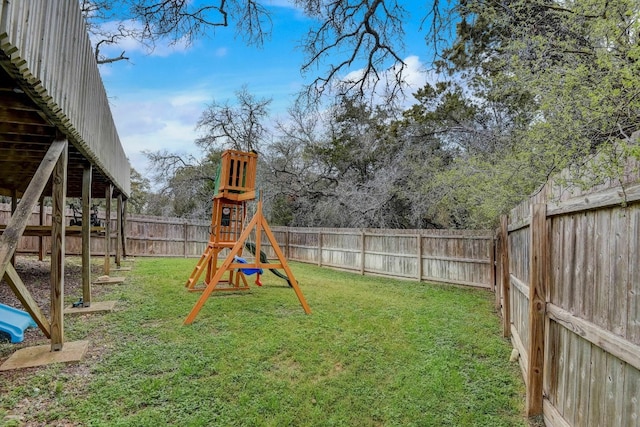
[(525, 88)]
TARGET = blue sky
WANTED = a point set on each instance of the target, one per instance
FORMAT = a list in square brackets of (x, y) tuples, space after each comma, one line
[(157, 98)]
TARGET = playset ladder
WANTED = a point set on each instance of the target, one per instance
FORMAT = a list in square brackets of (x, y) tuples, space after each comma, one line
[(207, 261)]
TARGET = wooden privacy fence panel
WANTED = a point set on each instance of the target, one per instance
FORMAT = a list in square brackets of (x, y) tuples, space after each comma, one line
[(451, 256), (581, 358), (303, 246), (153, 236), (462, 259)]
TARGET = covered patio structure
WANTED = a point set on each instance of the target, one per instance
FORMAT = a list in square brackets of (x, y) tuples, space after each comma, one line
[(57, 139)]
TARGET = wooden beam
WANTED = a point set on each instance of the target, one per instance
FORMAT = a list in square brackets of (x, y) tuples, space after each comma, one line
[(498, 289), (14, 204), (363, 252), (119, 230), (41, 219), (45, 230), (615, 196), (320, 249), (617, 346), (124, 229), (18, 222), (274, 244), (58, 194), (86, 235), (537, 308), (107, 228), (22, 293)]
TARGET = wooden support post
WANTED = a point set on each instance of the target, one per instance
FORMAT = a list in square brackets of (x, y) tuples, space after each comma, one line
[(506, 276), (18, 222), (280, 256), (124, 229), (537, 308), (107, 229), (59, 180), (119, 230), (23, 294), (320, 249), (41, 221), (86, 235), (14, 204)]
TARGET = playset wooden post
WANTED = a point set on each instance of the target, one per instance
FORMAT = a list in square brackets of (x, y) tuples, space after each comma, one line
[(235, 185)]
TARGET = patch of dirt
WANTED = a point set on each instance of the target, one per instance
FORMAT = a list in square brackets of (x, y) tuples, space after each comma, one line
[(36, 276), (71, 378)]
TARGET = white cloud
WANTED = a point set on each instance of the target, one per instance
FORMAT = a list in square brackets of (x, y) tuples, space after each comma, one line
[(158, 120), (282, 3), (414, 76)]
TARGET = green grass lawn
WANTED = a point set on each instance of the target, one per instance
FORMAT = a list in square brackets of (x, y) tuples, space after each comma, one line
[(374, 352)]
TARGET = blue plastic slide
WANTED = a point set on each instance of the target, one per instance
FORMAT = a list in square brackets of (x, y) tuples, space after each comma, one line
[(14, 322)]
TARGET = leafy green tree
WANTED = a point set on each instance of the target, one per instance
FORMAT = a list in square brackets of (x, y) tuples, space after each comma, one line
[(571, 67), (140, 189), (489, 168), (185, 184)]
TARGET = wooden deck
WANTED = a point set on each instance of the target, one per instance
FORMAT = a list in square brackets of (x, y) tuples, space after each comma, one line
[(57, 140), (50, 85)]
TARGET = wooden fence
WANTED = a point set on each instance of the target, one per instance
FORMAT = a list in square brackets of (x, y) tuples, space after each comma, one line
[(450, 256), (569, 284)]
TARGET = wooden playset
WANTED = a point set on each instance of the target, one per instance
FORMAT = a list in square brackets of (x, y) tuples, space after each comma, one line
[(235, 186)]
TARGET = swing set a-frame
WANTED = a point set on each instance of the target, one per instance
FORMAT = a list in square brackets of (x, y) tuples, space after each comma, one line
[(235, 186)]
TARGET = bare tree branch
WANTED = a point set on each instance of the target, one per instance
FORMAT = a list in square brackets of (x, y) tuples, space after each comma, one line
[(238, 126), (371, 34)]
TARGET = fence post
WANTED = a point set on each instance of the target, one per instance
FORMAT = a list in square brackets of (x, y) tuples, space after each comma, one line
[(362, 251), (506, 276), (320, 249), (286, 243), (498, 268), (492, 263), (419, 257), (186, 224), (537, 307)]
